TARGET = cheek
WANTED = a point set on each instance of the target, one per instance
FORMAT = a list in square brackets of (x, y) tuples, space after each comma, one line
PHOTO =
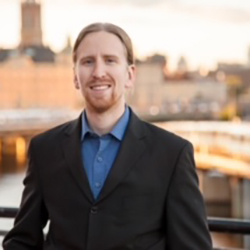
[(83, 77), (121, 76)]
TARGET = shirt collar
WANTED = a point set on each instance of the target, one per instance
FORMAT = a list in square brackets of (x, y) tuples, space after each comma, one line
[(118, 130)]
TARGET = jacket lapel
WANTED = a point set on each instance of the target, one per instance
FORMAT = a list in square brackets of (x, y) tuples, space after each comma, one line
[(132, 148), (72, 152)]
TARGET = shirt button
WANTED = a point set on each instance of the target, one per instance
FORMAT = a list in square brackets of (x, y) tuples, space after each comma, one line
[(98, 184), (93, 210), (99, 158)]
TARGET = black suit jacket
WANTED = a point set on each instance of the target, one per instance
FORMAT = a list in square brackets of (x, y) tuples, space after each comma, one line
[(150, 200)]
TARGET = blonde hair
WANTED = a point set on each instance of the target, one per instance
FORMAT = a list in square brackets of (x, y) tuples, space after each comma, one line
[(110, 28)]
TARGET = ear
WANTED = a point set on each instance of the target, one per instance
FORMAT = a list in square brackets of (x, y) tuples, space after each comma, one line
[(75, 80), (131, 76)]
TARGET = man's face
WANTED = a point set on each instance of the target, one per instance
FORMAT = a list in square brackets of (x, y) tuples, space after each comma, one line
[(101, 71)]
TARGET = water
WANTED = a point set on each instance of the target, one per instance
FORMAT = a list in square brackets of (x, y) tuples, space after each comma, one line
[(10, 196)]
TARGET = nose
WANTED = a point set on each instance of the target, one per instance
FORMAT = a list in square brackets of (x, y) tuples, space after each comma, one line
[(99, 70)]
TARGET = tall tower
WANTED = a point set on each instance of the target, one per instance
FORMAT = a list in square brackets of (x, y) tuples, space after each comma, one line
[(182, 66), (31, 29)]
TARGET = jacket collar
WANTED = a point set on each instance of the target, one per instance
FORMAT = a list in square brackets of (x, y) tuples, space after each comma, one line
[(132, 147)]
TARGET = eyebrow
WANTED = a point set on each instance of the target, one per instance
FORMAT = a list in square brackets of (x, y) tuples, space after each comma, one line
[(104, 56)]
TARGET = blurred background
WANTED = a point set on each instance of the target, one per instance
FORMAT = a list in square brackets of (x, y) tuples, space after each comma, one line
[(193, 78)]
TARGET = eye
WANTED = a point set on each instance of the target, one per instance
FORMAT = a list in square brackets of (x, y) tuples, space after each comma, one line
[(87, 61), (110, 60)]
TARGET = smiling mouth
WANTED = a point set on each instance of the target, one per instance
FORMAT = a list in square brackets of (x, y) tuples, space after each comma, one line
[(100, 87)]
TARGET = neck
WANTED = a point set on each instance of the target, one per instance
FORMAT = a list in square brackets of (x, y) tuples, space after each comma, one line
[(103, 123)]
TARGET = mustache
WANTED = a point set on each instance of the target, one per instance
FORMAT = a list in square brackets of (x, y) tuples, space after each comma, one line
[(95, 82)]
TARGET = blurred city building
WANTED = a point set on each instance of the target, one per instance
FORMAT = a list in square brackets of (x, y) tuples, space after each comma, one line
[(181, 95), (33, 76), (31, 28), (237, 77)]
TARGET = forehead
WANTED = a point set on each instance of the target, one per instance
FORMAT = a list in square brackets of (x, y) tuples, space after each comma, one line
[(101, 42)]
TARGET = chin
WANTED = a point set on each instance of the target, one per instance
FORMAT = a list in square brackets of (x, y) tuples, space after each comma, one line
[(101, 108)]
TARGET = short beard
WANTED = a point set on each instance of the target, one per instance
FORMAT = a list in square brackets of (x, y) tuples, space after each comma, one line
[(102, 108)]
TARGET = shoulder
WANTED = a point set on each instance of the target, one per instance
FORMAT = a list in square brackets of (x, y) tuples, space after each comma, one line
[(156, 135), (54, 134), (163, 136)]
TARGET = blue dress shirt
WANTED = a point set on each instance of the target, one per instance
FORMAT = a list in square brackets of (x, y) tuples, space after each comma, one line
[(99, 152)]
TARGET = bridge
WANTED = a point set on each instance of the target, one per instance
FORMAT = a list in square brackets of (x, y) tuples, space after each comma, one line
[(221, 146), (17, 127), (222, 154)]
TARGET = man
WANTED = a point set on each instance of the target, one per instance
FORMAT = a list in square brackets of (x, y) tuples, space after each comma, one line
[(107, 180)]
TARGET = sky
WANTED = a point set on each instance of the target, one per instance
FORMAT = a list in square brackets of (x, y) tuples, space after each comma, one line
[(205, 32)]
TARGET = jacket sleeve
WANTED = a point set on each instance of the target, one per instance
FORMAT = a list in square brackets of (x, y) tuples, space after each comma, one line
[(187, 227), (32, 216)]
